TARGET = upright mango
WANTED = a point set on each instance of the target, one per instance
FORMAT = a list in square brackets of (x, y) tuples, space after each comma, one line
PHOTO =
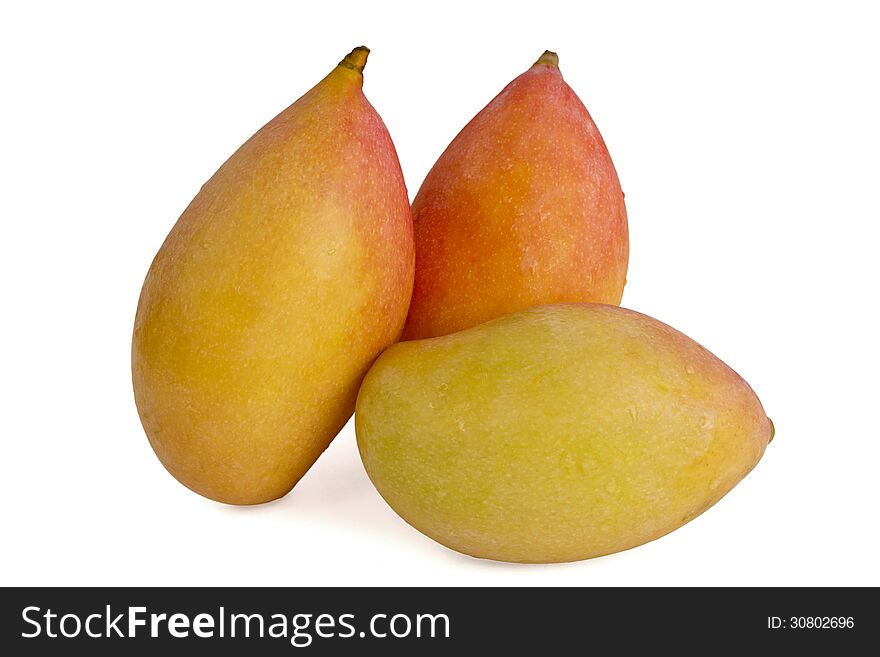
[(286, 276), (523, 208), (558, 433)]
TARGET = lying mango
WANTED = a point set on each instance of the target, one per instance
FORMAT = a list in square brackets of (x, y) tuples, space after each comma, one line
[(557, 433)]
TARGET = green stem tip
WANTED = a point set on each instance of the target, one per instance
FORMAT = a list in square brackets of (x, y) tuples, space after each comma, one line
[(356, 59), (549, 58)]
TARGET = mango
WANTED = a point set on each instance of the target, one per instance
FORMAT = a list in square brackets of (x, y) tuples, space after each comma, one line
[(287, 275), (555, 434), (523, 208)]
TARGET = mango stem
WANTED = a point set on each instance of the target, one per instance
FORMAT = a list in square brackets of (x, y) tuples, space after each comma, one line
[(356, 60), (549, 58)]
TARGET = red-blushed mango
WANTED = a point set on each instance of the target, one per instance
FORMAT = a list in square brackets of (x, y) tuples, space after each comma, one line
[(283, 280), (558, 433), (523, 208)]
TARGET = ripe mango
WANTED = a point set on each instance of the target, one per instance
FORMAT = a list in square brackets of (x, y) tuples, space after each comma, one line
[(523, 208), (283, 280), (558, 433)]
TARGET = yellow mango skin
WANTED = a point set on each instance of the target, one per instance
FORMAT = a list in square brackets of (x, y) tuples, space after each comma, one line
[(558, 433), (283, 280)]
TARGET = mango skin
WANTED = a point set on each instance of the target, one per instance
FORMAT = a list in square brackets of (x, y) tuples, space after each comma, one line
[(524, 208), (283, 280), (559, 433)]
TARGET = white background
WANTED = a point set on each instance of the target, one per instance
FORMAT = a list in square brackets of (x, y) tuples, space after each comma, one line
[(747, 143)]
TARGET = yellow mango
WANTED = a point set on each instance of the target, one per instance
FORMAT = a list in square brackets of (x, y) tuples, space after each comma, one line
[(558, 433), (283, 280)]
